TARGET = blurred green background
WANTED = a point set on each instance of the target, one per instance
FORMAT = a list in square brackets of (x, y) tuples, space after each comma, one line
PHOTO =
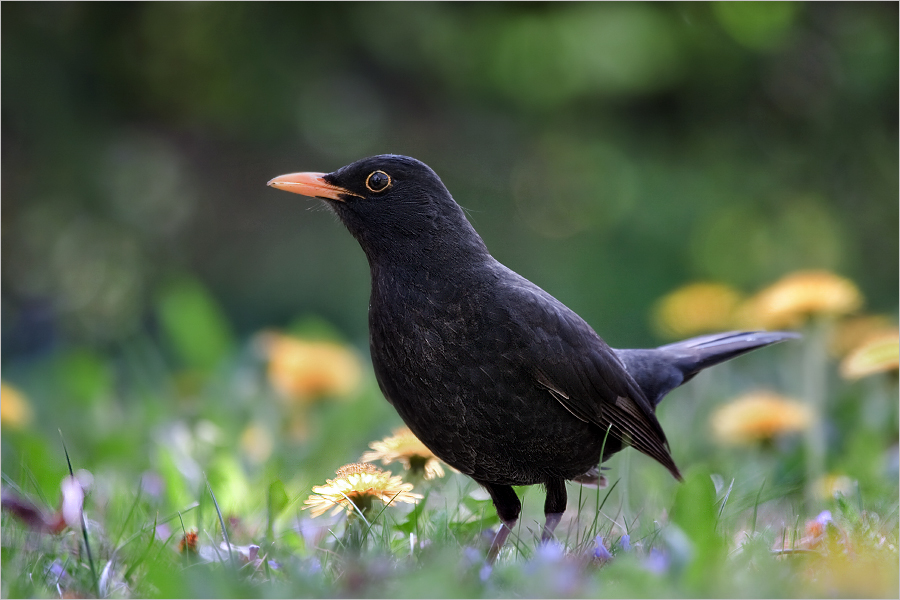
[(609, 152)]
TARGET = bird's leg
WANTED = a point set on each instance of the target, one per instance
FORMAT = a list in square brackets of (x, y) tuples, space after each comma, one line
[(499, 540), (554, 506), (508, 508)]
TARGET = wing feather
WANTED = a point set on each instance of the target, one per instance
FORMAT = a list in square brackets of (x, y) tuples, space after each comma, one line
[(591, 382)]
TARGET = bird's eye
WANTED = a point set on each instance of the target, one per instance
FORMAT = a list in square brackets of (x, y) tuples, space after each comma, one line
[(378, 181)]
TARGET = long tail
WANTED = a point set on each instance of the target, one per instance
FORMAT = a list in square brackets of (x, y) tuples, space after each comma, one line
[(658, 371)]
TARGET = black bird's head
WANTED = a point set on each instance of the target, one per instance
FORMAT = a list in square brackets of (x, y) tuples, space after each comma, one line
[(393, 205)]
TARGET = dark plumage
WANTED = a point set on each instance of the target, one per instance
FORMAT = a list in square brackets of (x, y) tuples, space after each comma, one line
[(497, 377)]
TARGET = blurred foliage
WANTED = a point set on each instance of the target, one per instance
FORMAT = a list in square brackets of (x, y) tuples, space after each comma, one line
[(607, 151), (193, 324)]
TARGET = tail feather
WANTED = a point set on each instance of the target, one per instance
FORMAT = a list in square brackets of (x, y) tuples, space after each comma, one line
[(696, 354), (658, 371)]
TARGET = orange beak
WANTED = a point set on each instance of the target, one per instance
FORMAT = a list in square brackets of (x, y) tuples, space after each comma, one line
[(310, 184)]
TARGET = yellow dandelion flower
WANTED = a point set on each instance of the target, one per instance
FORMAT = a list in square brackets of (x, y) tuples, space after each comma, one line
[(854, 568), (408, 450), (790, 301), (696, 308), (304, 370), (879, 354), (759, 416), (853, 332), (360, 484), (829, 485), (15, 411)]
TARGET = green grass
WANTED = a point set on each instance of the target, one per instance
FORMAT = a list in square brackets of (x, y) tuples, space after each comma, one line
[(166, 445)]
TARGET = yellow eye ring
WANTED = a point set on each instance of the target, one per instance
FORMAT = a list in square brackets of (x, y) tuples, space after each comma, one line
[(378, 181)]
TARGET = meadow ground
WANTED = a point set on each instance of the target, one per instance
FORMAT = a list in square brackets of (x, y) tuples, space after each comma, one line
[(184, 440)]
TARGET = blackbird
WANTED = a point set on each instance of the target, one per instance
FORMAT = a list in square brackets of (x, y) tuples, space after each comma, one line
[(494, 375)]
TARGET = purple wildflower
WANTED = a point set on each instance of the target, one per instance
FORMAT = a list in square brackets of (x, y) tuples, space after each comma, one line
[(657, 561), (600, 552)]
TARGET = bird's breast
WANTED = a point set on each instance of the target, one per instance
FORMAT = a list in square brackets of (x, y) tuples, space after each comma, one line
[(455, 364)]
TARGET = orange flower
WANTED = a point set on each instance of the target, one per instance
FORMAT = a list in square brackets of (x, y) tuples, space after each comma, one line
[(879, 354), (359, 485), (759, 416), (408, 450), (790, 301), (696, 308), (188, 543), (305, 370)]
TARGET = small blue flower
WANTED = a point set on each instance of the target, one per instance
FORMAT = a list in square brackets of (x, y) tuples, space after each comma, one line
[(550, 552), (657, 561), (313, 566), (625, 542), (600, 552), (56, 570), (472, 556)]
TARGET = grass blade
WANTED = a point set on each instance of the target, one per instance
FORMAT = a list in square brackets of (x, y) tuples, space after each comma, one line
[(87, 544), (724, 501), (134, 504), (756, 506), (222, 523)]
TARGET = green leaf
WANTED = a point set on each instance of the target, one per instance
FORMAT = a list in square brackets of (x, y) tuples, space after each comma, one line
[(194, 324), (757, 25), (695, 512), (276, 502), (413, 519), (177, 490), (85, 376)]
